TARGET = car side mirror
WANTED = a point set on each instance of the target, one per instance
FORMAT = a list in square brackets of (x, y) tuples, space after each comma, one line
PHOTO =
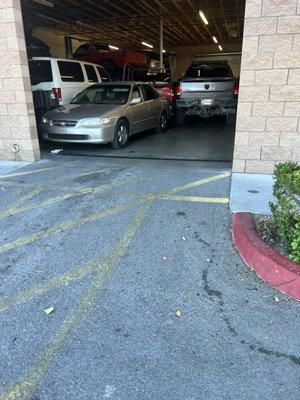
[(135, 100)]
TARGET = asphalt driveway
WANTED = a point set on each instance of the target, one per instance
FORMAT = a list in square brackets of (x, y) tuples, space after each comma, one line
[(147, 298)]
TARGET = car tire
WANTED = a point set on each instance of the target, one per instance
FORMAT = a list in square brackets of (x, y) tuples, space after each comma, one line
[(162, 123), (180, 116), (121, 137)]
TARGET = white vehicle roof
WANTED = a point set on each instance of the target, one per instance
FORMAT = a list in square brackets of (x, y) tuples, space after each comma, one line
[(61, 59)]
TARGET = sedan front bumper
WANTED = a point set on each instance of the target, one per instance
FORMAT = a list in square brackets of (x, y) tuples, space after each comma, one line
[(78, 134)]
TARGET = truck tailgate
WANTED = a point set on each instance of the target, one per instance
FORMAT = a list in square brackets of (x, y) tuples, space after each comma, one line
[(207, 88)]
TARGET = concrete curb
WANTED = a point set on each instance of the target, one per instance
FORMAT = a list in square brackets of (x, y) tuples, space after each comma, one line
[(271, 266)]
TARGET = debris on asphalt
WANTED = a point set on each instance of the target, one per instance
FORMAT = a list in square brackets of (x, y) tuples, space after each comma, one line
[(49, 310), (183, 238), (276, 299), (164, 257), (178, 313), (56, 151), (208, 259)]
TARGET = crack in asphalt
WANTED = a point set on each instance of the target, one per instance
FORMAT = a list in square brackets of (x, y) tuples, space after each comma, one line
[(277, 354), (211, 292)]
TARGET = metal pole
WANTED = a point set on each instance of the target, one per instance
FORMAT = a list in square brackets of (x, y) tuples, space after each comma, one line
[(161, 44), (69, 47)]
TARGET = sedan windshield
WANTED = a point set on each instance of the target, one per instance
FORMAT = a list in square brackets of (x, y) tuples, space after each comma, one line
[(103, 94)]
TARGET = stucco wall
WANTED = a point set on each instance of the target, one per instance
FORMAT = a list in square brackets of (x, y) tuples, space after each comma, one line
[(268, 117)]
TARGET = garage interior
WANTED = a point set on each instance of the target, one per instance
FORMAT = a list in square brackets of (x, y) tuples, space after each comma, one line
[(125, 24)]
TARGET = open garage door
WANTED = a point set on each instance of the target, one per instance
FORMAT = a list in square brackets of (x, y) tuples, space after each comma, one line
[(188, 51)]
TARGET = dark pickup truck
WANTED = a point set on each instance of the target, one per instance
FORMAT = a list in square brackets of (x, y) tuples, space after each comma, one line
[(208, 88)]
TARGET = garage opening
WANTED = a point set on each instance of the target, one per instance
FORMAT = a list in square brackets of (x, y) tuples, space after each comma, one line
[(181, 57)]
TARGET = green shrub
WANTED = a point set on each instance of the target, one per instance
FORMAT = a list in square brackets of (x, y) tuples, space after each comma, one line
[(285, 211)]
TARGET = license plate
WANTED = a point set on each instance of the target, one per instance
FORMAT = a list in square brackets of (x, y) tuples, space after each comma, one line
[(207, 102)]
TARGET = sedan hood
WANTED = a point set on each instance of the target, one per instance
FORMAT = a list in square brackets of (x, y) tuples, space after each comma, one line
[(80, 111)]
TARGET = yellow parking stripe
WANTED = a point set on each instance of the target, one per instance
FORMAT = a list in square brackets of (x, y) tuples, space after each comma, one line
[(198, 183), (25, 385), (13, 209), (79, 192), (196, 199), (52, 184), (36, 171), (45, 287), (94, 172), (59, 228), (93, 216), (103, 269)]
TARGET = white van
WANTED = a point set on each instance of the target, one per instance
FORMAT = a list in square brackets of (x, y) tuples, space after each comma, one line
[(63, 78)]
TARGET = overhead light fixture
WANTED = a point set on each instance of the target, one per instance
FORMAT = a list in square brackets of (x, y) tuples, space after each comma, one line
[(147, 45), (113, 47), (45, 3), (203, 17), (220, 47), (215, 39), (164, 51)]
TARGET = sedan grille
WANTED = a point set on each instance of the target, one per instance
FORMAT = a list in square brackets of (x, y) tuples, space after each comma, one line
[(67, 136), (64, 123)]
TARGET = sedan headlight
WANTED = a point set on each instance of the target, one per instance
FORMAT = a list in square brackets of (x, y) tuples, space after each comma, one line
[(45, 120), (95, 121)]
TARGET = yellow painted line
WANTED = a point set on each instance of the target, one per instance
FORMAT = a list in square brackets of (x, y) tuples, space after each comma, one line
[(74, 188), (55, 185), (177, 189), (59, 228), (87, 190), (47, 286), (13, 209), (195, 199), (24, 386), (198, 183), (36, 171), (79, 192), (94, 172)]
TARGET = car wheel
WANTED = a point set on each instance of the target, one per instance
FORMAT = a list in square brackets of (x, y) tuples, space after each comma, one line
[(180, 116), (121, 137), (162, 123)]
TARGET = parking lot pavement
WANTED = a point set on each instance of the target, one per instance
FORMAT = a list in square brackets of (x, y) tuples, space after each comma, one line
[(146, 296)]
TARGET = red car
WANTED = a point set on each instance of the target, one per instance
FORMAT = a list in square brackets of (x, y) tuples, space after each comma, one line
[(119, 58), (161, 83), (112, 61)]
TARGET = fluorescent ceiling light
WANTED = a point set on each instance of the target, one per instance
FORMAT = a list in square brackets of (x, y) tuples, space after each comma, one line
[(220, 47), (215, 39), (147, 45), (203, 17), (45, 3), (113, 47)]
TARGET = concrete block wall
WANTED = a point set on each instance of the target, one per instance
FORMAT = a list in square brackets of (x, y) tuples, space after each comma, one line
[(268, 116), (17, 120)]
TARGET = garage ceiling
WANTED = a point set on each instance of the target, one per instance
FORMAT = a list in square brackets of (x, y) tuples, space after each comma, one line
[(128, 22)]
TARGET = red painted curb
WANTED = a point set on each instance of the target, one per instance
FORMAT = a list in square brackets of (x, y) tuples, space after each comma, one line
[(271, 266)]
